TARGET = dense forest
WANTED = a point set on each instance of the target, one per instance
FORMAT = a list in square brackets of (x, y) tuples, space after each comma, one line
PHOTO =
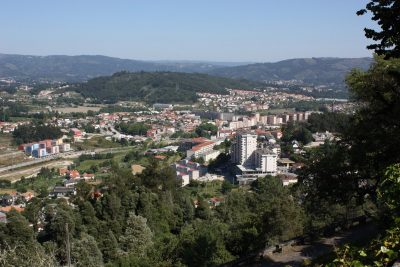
[(10, 109), (38, 132), (145, 220), (157, 87), (133, 128)]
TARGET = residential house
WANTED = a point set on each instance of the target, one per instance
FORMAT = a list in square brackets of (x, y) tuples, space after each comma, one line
[(61, 191)]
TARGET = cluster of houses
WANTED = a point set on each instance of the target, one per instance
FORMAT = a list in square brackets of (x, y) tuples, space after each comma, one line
[(187, 171), (248, 100), (13, 200), (45, 148), (9, 127), (72, 178), (241, 121)]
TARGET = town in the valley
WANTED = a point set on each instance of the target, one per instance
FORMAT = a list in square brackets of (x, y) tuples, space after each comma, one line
[(232, 139), (200, 133)]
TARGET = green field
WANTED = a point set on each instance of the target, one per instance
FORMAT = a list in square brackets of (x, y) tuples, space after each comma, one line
[(85, 165), (17, 119), (83, 109), (205, 190), (96, 142)]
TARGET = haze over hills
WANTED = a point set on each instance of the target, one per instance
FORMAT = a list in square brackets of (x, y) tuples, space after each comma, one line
[(81, 68), (317, 71), (162, 87)]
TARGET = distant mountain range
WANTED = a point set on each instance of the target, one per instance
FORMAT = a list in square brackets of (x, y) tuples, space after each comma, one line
[(315, 71), (82, 68)]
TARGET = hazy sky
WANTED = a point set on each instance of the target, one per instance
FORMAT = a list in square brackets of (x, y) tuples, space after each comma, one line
[(215, 30)]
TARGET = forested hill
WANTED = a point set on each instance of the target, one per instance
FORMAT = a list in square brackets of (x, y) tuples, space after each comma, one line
[(82, 68), (317, 71), (161, 87)]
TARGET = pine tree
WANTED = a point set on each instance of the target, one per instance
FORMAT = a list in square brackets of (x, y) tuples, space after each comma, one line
[(137, 237)]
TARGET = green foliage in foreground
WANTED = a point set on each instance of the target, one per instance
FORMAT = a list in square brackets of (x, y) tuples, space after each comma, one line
[(385, 250), (386, 14), (334, 122), (364, 165), (146, 220)]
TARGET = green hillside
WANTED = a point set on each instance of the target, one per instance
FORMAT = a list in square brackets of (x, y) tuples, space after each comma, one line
[(161, 87), (82, 68), (318, 71)]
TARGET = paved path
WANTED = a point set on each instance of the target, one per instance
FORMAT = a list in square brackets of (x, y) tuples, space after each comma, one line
[(295, 255)]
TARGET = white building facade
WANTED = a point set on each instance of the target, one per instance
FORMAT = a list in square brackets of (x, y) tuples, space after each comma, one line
[(252, 162), (266, 161), (243, 149)]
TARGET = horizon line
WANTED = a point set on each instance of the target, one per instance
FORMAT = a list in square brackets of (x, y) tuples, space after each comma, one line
[(186, 60)]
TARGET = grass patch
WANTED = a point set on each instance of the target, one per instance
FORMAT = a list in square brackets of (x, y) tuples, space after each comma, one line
[(9, 191), (119, 157), (38, 183), (204, 190), (96, 142), (82, 109), (17, 119), (5, 140), (87, 164), (11, 159)]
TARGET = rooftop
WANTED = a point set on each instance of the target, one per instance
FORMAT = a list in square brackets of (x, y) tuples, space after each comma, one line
[(200, 146), (286, 161)]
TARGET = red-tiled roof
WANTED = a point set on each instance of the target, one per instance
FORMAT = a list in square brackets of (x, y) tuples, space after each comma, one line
[(200, 146), (9, 208), (200, 140), (74, 174)]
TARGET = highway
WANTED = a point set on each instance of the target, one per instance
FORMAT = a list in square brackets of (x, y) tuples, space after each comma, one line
[(66, 155)]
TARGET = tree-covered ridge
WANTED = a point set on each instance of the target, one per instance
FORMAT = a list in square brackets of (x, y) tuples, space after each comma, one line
[(84, 67), (318, 71), (161, 87)]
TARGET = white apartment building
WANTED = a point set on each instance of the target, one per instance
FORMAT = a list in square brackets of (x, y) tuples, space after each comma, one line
[(252, 162), (266, 161), (203, 150), (187, 171), (243, 149)]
